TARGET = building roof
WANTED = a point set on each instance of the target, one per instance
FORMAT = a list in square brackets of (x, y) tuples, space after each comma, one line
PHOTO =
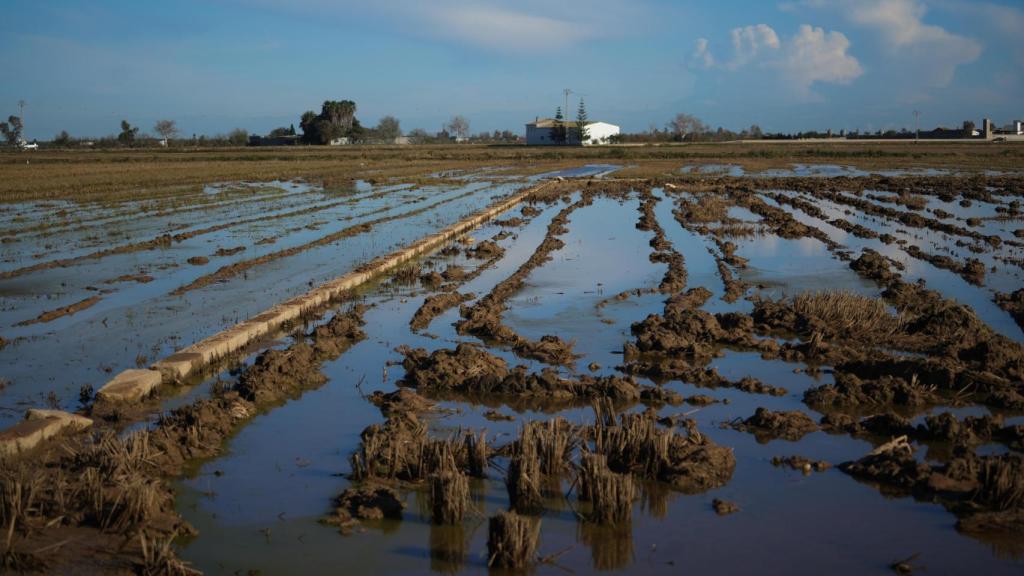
[(550, 123)]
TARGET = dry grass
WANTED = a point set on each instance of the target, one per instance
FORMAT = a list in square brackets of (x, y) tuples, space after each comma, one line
[(553, 441), (842, 313), (402, 450), (116, 175), (610, 495), (512, 540), (159, 559), (449, 497), (635, 445), (523, 479), (1002, 482)]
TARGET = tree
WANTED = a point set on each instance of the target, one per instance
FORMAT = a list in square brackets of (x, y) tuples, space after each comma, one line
[(310, 132), (968, 128), (280, 132), (755, 131), (458, 126), (166, 128), (336, 120), (238, 137), (12, 130), (128, 133), (419, 136), (388, 128), (62, 140), (558, 133), (685, 125), (581, 123)]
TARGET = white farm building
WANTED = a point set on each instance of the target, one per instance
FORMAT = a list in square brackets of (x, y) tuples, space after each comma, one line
[(540, 132)]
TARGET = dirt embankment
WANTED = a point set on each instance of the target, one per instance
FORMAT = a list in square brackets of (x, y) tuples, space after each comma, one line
[(85, 496), (68, 310)]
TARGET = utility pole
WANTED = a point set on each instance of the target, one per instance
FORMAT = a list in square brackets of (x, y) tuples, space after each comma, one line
[(567, 91), (917, 122)]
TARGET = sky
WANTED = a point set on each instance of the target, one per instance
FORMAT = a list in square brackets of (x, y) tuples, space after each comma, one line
[(216, 65)]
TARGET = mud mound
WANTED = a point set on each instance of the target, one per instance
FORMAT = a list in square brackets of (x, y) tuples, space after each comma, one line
[(766, 425), (484, 250), (873, 265), (401, 401), (364, 503), (1014, 304), (434, 306), (683, 329), (470, 372), (849, 391)]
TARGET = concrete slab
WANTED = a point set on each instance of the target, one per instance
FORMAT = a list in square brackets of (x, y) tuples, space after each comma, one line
[(39, 426), (130, 385)]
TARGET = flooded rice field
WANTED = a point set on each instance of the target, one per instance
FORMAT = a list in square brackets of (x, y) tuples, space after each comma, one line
[(811, 371)]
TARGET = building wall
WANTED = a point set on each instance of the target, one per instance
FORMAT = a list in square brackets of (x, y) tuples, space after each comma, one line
[(598, 133)]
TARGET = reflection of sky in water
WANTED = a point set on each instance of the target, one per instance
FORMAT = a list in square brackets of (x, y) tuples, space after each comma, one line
[(947, 283)]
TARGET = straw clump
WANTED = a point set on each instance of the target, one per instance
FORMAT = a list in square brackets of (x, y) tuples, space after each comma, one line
[(512, 540)]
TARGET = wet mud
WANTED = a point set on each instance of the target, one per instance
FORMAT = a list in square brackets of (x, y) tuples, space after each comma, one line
[(721, 394)]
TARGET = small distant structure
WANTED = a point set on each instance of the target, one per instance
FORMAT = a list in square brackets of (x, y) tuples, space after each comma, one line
[(402, 140), (986, 129), (1015, 128), (540, 132), (342, 141), (24, 145)]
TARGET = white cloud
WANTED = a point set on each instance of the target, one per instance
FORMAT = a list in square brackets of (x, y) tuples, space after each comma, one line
[(928, 53), (810, 56), (702, 57), (814, 56), (750, 41)]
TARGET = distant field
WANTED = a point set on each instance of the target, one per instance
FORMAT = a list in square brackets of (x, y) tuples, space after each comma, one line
[(136, 174)]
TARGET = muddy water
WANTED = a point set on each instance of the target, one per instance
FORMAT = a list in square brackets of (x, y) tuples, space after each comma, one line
[(946, 282), (135, 323), (257, 507)]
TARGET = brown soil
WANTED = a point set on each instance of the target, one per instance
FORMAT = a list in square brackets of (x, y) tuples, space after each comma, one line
[(434, 306), (1014, 304), (68, 310), (471, 372), (229, 251), (724, 507), (766, 425), (198, 260), (355, 505), (484, 250), (801, 464)]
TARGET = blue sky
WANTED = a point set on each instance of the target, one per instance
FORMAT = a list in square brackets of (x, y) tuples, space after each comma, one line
[(213, 65)]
